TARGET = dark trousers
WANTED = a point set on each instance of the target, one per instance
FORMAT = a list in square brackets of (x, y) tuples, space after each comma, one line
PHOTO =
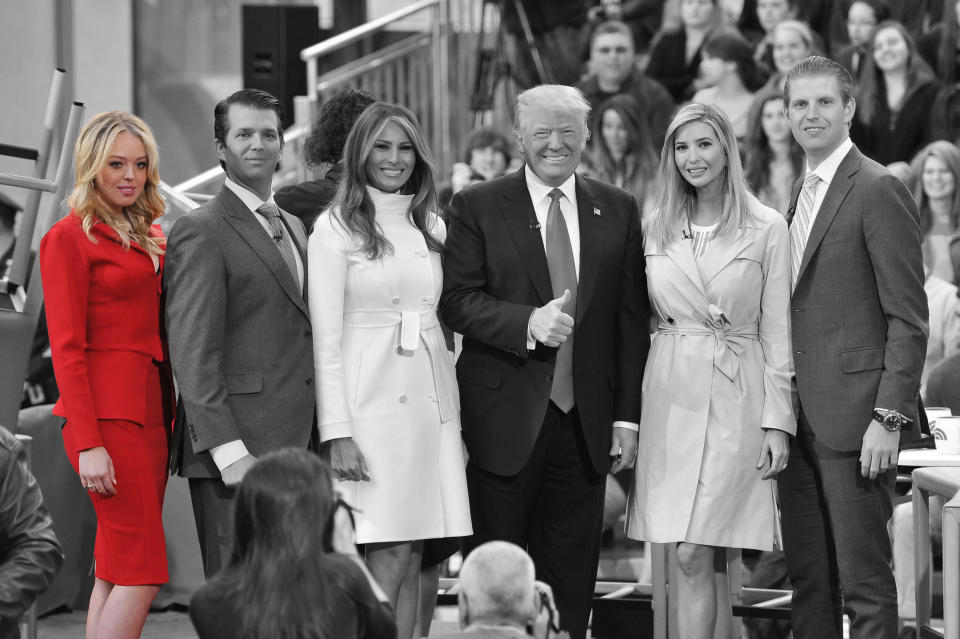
[(553, 508), (213, 511), (836, 542)]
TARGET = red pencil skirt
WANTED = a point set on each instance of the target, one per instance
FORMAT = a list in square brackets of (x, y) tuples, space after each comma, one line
[(130, 549)]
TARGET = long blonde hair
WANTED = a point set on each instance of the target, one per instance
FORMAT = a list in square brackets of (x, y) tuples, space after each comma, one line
[(91, 154), (678, 197)]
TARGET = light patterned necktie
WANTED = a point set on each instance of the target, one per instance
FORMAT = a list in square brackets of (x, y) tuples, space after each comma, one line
[(270, 211), (800, 226), (563, 276)]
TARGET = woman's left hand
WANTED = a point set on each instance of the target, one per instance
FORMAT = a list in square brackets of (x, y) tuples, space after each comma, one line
[(774, 452)]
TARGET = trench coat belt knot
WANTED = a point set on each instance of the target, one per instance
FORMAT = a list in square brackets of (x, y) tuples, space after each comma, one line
[(727, 350), (414, 328)]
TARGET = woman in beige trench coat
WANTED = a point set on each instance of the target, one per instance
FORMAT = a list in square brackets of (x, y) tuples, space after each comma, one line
[(717, 411)]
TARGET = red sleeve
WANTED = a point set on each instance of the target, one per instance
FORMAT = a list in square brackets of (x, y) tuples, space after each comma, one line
[(65, 271)]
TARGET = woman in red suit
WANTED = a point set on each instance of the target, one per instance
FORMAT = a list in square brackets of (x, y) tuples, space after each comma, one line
[(101, 268)]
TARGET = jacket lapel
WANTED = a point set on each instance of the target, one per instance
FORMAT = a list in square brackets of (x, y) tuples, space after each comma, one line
[(241, 220), (590, 217), (521, 221), (836, 192), (722, 251), (680, 253)]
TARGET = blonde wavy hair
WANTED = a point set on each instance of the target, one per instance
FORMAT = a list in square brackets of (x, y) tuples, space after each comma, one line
[(91, 154)]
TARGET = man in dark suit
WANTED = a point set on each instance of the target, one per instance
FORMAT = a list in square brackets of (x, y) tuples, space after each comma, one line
[(544, 278), (859, 341), (239, 334)]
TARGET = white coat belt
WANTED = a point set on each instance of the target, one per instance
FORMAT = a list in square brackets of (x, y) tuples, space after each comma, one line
[(415, 328), (727, 350)]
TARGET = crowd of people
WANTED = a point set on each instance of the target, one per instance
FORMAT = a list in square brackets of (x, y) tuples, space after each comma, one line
[(699, 268)]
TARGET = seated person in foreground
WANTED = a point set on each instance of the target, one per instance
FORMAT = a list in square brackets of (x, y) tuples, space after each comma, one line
[(290, 574), (500, 598)]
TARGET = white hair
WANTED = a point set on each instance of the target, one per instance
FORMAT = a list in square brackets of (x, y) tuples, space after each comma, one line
[(497, 585), (551, 97)]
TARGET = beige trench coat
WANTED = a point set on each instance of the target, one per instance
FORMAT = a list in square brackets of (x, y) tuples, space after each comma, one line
[(719, 372)]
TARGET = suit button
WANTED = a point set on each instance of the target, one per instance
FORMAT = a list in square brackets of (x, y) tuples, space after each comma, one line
[(402, 399), (309, 381), (798, 352), (308, 333), (548, 377), (396, 300)]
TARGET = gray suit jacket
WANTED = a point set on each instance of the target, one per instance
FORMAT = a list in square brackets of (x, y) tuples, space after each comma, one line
[(859, 312), (239, 335)]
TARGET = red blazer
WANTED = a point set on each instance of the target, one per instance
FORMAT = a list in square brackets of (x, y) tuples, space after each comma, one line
[(104, 311)]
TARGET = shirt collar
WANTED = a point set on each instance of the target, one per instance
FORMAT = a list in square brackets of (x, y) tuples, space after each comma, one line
[(539, 191), (250, 199), (828, 168)]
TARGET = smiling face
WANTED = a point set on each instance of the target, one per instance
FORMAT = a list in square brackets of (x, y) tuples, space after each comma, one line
[(938, 181), (774, 122), (121, 180), (391, 160), (713, 69), (614, 134), (699, 156), (788, 49), (252, 147), (890, 50), (819, 118), (551, 143), (611, 58), (770, 13), (860, 21)]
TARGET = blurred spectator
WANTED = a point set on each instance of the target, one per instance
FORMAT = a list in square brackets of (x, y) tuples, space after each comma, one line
[(915, 15), (556, 29), (323, 151), (487, 157), (940, 46), (30, 554), (862, 17), (894, 97), (623, 153), (613, 71), (792, 41), (731, 75), (770, 13), (294, 570), (676, 51), (936, 176), (773, 157), (643, 17)]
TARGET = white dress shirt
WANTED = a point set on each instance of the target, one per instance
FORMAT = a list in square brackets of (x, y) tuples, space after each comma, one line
[(826, 170)]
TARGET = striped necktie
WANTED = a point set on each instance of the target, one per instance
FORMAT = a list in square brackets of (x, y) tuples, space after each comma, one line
[(270, 211), (563, 276), (800, 226)]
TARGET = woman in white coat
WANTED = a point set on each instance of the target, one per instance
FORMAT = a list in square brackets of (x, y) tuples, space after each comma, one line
[(717, 410), (387, 394)]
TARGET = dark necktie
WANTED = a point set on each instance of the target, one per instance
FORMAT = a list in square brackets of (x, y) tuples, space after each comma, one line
[(272, 213), (563, 276)]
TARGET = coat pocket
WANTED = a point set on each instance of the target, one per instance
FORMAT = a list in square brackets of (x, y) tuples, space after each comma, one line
[(479, 376), (244, 383), (855, 360)]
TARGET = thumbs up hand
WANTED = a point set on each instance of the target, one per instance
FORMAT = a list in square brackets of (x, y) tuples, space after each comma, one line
[(549, 325)]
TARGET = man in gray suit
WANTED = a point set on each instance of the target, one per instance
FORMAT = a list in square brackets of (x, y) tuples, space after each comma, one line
[(239, 334), (859, 341)]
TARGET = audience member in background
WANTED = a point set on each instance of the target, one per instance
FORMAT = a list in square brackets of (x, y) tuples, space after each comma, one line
[(387, 393), (792, 42), (613, 71), (499, 597), (894, 97), (487, 157), (936, 188), (101, 267), (770, 13), (676, 51), (623, 153), (773, 157), (294, 569), (717, 413), (915, 15), (940, 46), (30, 553), (731, 76), (323, 152), (555, 26), (862, 17)]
